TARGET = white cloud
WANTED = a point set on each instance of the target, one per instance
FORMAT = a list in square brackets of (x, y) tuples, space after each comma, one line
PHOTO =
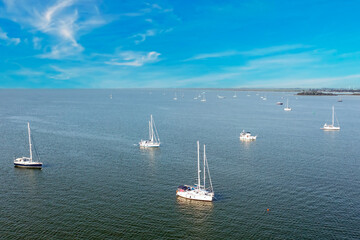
[(212, 55), (254, 52), (63, 20), (136, 59), (37, 42), (142, 36), (4, 36)]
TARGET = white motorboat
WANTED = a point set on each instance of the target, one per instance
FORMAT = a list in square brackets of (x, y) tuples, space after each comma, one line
[(246, 136), (27, 162), (154, 139), (198, 191)]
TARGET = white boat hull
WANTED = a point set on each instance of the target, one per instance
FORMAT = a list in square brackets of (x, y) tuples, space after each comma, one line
[(287, 109), (330, 128), (149, 144), (194, 195), (252, 138), (25, 162)]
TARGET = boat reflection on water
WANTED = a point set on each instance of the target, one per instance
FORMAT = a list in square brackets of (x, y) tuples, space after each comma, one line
[(199, 209)]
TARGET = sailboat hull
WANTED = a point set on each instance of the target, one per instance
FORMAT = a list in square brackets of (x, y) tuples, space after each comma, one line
[(330, 128), (31, 165), (149, 144), (194, 195)]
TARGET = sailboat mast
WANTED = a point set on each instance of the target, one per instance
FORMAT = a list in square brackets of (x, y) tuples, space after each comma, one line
[(333, 115), (204, 165), (30, 141), (198, 150), (151, 128)]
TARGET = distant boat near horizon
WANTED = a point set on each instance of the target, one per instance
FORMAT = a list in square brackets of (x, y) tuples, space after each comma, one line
[(197, 191), (27, 162), (331, 127), (175, 97), (287, 108), (203, 97), (235, 96), (154, 139), (220, 97)]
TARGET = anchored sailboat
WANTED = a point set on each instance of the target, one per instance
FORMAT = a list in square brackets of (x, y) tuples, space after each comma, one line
[(287, 106), (330, 127), (27, 162), (154, 139), (203, 97), (198, 191)]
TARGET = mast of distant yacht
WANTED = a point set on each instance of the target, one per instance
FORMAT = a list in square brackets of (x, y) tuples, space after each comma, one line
[(30, 141), (333, 115), (198, 149), (204, 165)]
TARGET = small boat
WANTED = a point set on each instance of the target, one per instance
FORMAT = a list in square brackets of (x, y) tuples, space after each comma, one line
[(154, 140), (331, 127), (220, 97), (287, 106), (339, 100), (175, 97), (279, 103), (198, 191), (235, 96), (246, 136), (203, 98), (27, 162), (110, 96)]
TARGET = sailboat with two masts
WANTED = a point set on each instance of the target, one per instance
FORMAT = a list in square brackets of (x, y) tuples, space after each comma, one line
[(154, 139), (198, 191), (331, 127), (27, 162)]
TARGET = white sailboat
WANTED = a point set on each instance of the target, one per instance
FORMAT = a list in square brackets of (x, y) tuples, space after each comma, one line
[(154, 139), (27, 162), (235, 96), (220, 97), (287, 106), (198, 191), (175, 97), (331, 127), (203, 97)]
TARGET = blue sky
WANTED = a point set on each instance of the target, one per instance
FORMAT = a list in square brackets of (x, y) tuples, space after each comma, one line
[(131, 44)]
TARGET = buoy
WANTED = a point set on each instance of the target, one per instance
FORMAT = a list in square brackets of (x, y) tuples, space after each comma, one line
[(268, 209)]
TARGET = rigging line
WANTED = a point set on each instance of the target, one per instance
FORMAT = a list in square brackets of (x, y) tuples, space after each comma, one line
[(207, 166), (34, 145), (157, 135)]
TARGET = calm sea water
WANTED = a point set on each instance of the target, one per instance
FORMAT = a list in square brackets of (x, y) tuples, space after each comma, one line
[(97, 184)]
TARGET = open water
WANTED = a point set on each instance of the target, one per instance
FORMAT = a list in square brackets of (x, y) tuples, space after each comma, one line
[(97, 184)]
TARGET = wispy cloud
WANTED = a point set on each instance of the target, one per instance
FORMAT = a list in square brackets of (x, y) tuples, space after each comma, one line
[(37, 43), (65, 21), (274, 49), (253, 52), (279, 61), (135, 59), (141, 37), (8, 40), (212, 55)]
